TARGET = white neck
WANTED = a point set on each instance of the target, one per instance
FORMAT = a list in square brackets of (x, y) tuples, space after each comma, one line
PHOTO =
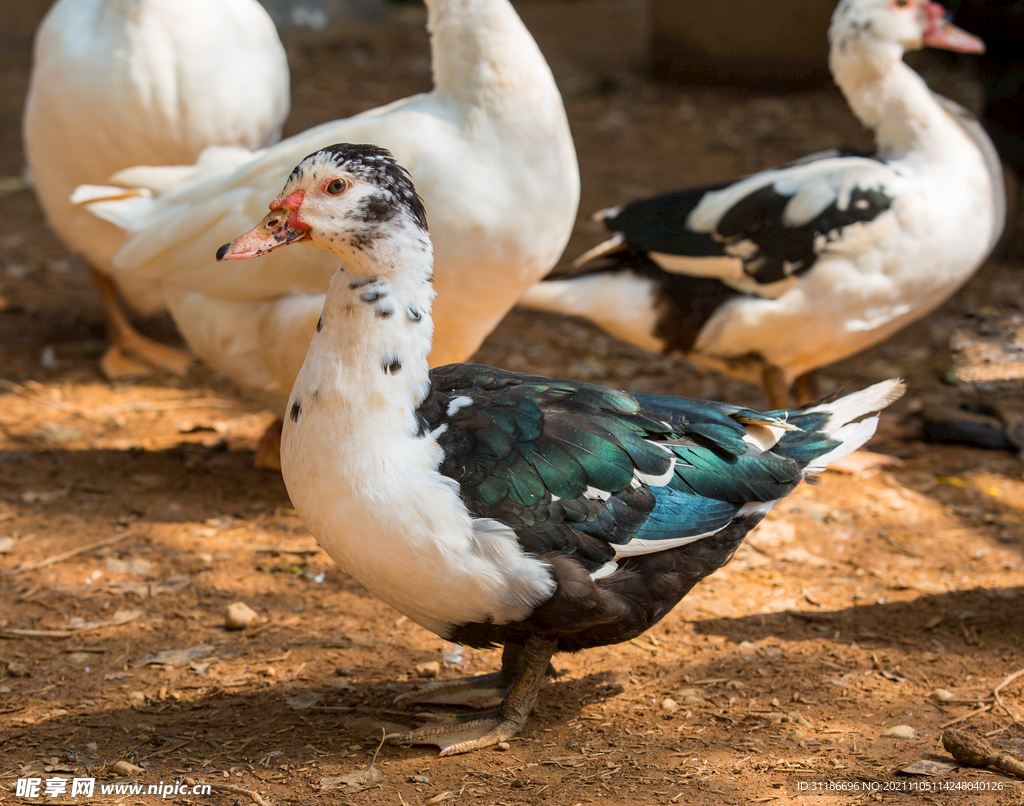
[(482, 52), (369, 357), (890, 98)]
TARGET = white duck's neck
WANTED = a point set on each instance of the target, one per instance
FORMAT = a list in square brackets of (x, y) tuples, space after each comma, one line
[(891, 99), (482, 52), (368, 357)]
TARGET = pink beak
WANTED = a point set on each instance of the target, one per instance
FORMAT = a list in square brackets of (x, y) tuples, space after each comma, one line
[(941, 33), (280, 227)]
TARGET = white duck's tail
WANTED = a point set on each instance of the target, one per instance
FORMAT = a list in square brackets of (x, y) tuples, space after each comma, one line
[(128, 202), (122, 207)]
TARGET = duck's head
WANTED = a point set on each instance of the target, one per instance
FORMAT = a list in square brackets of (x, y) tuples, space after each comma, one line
[(903, 24), (347, 199)]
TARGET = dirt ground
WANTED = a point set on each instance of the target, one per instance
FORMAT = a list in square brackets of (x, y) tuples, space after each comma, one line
[(838, 620)]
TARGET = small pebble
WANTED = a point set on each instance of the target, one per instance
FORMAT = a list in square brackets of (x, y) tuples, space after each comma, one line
[(48, 358), (901, 732), (126, 768), (691, 695), (943, 695), (15, 669), (239, 616), (502, 746), (342, 684), (670, 705), (418, 779), (137, 698), (431, 669)]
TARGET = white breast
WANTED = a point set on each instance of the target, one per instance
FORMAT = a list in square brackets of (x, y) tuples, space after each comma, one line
[(368, 486)]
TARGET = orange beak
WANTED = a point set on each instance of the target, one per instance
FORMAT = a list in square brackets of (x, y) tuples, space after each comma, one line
[(280, 227)]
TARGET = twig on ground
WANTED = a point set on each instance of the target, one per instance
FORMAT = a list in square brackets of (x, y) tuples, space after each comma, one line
[(1000, 687), (966, 716), (28, 394), (15, 632), (56, 558)]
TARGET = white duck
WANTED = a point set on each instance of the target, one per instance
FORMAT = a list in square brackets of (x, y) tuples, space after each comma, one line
[(792, 269), (491, 152), (117, 83), (498, 508)]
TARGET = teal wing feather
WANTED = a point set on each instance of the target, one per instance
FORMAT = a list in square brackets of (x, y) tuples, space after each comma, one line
[(585, 471)]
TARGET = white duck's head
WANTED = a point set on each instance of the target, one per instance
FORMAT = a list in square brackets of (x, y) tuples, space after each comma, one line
[(898, 25), (352, 200)]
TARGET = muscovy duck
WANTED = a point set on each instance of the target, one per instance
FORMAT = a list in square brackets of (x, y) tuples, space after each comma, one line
[(491, 151), (117, 83), (492, 507), (794, 268)]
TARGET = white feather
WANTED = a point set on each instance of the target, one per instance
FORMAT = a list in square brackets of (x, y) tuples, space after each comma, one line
[(458, 403)]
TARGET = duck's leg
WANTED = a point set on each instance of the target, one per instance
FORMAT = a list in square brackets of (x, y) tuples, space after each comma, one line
[(805, 389), (776, 386), (487, 731), (480, 691), (131, 354), (268, 450)]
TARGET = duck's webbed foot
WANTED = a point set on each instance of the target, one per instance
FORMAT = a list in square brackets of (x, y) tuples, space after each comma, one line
[(527, 666), (481, 691), (478, 692), (268, 450)]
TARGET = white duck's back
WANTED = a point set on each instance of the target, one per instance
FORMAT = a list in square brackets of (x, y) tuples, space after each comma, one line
[(117, 83), (490, 151)]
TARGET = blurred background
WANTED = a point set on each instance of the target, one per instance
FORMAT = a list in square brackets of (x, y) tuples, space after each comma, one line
[(923, 565), (660, 94)]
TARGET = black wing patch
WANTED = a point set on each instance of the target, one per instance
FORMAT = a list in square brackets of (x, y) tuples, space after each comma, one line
[(778, 251), (783, 251)]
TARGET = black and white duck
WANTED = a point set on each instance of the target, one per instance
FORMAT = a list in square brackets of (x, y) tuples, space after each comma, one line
[(794, 268), (491, 507)]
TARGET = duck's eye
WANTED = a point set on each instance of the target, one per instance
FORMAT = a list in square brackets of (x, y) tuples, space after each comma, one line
[(336, 187)]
